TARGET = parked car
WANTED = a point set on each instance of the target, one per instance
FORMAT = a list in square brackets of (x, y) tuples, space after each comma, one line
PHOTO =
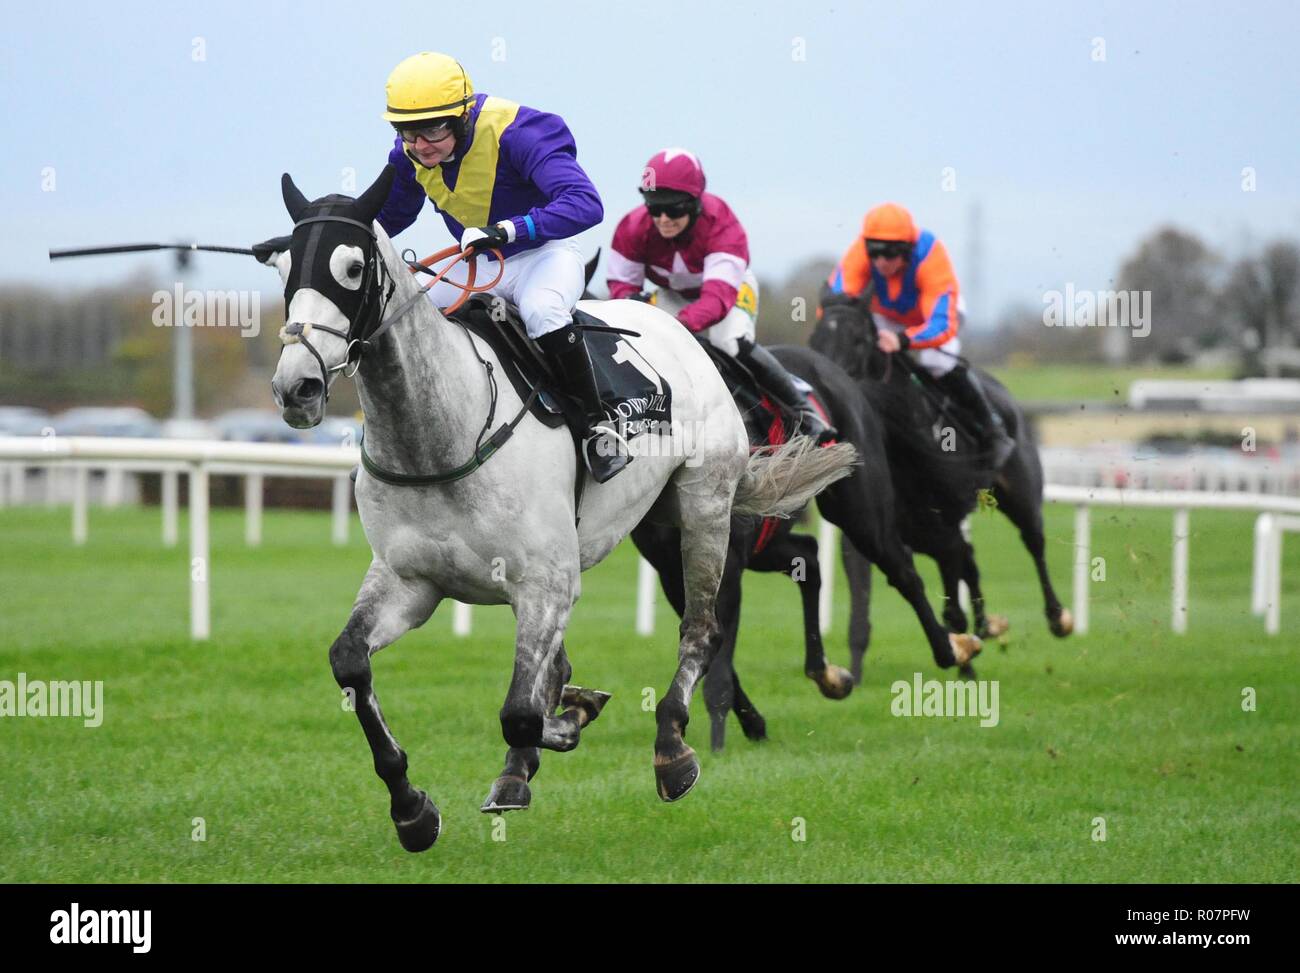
[(188, 429), (23, 420), (106, 421), (256, 426)]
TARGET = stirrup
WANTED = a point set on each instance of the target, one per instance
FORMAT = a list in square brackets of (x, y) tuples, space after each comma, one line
[(607, 464)]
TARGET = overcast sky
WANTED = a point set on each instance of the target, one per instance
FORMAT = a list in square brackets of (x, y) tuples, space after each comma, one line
[(1074, 127)]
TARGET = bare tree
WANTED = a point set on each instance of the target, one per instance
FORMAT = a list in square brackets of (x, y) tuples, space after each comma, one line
[(1181, 274), (1261, 299)]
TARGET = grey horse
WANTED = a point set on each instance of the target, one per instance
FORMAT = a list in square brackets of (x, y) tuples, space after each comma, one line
[(449, 513)]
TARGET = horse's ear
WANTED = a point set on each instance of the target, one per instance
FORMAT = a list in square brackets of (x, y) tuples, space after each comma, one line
[(294, 201), (369, 203), (829, 298)]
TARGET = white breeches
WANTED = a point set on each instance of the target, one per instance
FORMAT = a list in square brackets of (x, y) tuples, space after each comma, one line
[(938, 361), (738, 323), (543, 283)]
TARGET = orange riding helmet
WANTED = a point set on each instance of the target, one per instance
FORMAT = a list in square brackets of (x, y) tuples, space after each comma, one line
[(890, 221)]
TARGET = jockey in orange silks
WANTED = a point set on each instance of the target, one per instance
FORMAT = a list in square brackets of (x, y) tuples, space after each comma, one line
[(917, 306)]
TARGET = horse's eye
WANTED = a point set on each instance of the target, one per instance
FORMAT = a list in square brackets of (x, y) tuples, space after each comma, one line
[(354, 269)]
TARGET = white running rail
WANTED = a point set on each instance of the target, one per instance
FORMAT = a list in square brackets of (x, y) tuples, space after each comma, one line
[(199, 459), (1266, 590)]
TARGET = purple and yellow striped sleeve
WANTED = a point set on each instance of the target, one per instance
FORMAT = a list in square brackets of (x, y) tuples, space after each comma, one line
[(541, 148)]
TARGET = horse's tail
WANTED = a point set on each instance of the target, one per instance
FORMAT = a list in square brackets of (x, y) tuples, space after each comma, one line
[(779, 481)]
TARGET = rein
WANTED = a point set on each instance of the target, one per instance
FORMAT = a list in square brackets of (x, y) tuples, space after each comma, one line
[(920, 378), (927, 386)]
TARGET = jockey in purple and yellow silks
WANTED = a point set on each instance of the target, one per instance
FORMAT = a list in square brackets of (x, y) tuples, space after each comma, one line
[(503, 176), (917, 306)]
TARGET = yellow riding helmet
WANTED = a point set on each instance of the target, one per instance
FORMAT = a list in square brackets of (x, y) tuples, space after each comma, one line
[(427, 85), (889, 221)]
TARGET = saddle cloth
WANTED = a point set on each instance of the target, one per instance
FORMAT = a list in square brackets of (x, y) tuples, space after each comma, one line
[(633, 391)]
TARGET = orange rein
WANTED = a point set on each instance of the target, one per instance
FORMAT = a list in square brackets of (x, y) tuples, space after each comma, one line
[(467, 288)]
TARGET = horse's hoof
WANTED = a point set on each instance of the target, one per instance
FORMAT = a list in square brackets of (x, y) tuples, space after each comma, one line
[(967, 672), (754, 727), (964, 647), (509, 793), (675, 778), (835, 682), (1063, 625), (995, 626), (587, 702), (420, 832)]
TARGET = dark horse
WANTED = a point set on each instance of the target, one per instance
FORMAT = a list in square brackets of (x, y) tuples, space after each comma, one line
[(937, 474), (862, 506)]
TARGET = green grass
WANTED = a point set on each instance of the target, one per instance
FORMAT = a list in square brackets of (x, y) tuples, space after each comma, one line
[(1130, 723), (1082, 381)]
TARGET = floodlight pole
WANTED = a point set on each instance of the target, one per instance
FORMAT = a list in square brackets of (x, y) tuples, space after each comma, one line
[(182, 352)]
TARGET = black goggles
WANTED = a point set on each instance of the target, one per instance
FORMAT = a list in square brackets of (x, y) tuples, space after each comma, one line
[(431, 133), (674, 211), (889, 249)]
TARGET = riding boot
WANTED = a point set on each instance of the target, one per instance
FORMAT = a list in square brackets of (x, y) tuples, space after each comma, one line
[(603, 449), (966, 389), (773, 377)]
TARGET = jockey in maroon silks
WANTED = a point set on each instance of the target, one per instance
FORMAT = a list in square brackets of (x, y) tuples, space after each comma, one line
[(690, 244)]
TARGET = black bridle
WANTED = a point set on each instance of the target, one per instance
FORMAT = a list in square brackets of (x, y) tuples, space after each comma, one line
[(367, 324)]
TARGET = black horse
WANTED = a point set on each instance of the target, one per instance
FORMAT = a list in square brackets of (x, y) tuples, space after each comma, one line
[(862, 506), (938, 473)]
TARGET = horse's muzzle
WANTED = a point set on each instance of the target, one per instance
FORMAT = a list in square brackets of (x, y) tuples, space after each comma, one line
[(302, 405)]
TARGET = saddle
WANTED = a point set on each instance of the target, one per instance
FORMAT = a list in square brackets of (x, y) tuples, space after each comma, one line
[(636, 395), (930, 443), (941, 407), (768, 420)]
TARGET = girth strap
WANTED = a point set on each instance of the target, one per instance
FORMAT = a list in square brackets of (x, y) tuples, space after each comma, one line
[(481, 455)]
